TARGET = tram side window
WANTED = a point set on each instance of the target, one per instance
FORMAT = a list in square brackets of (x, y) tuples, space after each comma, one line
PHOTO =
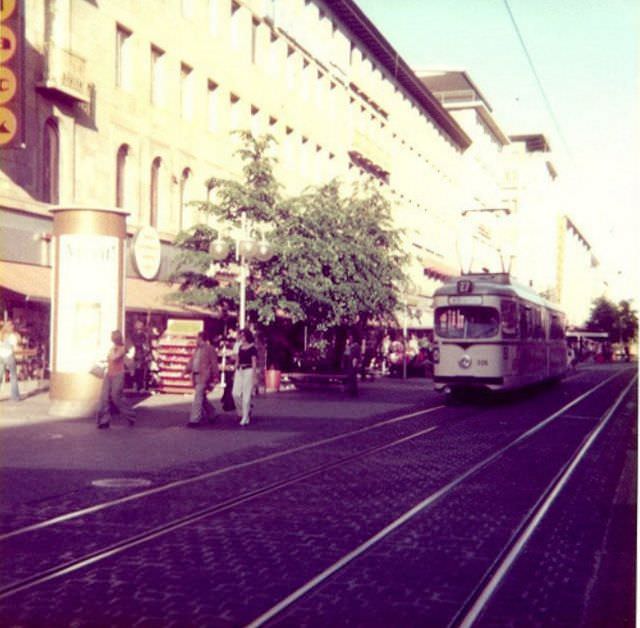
[(556, 331), (509, 318), (531, 323), (525, 327), (538, 328)]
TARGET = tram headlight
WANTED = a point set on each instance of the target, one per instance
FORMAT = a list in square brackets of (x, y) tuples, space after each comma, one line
[(435, 355), (464, 362)]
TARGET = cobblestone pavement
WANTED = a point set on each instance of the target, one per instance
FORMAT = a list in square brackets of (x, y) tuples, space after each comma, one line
[(228, 568)]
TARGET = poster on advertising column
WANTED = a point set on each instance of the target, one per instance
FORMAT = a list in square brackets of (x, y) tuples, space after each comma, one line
[(87, 301)]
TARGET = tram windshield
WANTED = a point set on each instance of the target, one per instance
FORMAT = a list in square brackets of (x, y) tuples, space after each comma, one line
[(467, 322)]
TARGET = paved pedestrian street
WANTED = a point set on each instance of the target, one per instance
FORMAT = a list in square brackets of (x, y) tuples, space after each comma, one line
[(390, 509)]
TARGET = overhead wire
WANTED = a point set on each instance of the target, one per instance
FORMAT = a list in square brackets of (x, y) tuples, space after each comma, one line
[(537, 78)]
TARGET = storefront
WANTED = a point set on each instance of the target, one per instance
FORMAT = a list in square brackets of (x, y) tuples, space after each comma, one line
[(25, 298)]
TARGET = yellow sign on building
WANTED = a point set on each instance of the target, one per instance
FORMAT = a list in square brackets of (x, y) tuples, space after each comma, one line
[(12, 123)]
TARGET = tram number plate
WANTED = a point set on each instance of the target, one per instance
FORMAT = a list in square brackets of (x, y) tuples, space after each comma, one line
[(483, 362)]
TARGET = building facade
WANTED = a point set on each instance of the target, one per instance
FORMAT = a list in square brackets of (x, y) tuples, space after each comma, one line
[(137, 112), (485, 221), (579, 280), (531, 192), (135, 109)]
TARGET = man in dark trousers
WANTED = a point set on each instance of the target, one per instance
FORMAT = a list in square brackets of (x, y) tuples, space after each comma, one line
[(142, 354), (351, 364), (205, 372)]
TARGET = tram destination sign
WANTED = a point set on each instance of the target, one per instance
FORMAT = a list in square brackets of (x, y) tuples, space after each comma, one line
[(474, 299)]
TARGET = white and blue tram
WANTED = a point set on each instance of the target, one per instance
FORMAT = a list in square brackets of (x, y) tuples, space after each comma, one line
[(492, 333)]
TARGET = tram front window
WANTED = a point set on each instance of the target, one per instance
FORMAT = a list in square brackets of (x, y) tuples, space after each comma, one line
[(467, 322)]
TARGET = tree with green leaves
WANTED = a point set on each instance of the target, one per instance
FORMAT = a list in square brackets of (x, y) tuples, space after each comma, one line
[(337, 256), (619, 321), (627, 322), (340, 258), (254, 200)]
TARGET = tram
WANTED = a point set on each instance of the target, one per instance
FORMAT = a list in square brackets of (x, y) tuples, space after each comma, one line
[(494, 334)]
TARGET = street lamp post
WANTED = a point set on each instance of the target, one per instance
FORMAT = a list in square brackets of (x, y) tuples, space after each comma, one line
[(246, 249)]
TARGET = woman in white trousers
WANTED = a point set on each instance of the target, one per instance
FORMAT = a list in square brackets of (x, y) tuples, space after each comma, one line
[(244, 378)]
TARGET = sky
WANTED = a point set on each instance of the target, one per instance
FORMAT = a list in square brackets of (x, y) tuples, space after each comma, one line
[(586, 56)]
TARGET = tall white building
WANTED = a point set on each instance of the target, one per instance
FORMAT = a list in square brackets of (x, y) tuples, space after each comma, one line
[(484, 223), (579, 280), (533, 197)]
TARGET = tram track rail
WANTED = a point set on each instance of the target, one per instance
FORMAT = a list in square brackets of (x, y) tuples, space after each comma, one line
[(194, 479), (200, 477), (192, 518), (160, 531), (500, 566), (488, 585)]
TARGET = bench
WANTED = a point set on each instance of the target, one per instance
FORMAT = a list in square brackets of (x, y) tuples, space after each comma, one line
[(315, 380)]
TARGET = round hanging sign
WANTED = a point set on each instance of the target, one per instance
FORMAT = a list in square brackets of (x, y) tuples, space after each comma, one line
[(147, 252)]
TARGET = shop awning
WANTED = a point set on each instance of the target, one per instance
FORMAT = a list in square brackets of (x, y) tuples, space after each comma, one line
[(433, 265), (34, 284), (438, 269), (155, 296)]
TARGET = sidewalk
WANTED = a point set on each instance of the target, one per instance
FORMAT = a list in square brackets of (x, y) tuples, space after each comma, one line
[(43, 456), (27, 389)]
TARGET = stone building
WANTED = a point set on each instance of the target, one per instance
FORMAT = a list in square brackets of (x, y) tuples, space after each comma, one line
[(131, 108)]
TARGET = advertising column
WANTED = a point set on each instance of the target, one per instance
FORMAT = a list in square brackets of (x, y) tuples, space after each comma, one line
[(87, 302)]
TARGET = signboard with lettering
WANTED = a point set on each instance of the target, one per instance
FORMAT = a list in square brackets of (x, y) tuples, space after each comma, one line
[(12, 89), (87, 299)]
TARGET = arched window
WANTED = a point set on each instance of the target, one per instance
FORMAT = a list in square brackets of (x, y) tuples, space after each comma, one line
[(121, 176), (154, 199), (51, 162), (186, 211)]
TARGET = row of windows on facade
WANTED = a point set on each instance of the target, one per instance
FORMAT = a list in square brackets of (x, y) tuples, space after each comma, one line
[(369, 112), (50, 178), (324, 94), (324, 42), (309, 23), (51, 174), (367, 122)]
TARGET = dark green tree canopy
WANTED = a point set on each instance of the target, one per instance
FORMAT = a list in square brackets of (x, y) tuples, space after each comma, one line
[(337, 256), (619, 321), (340, 259)]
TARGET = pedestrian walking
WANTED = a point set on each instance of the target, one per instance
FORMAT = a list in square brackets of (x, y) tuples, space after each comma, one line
[(141, 356), (113, 384), (8, 342), (244, 379), (351, 363), (205, 372), (228, 362)]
